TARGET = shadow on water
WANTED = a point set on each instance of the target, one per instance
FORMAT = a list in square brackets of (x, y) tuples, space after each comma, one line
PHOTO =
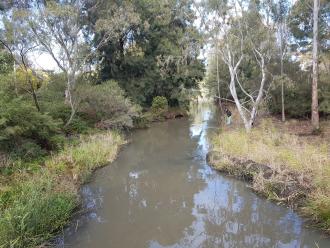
[(161, 193)]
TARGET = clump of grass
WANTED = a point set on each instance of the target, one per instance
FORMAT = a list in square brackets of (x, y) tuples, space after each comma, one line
[(34, 205), (266, 144), (291, 158), (32, 211), (92, 152)]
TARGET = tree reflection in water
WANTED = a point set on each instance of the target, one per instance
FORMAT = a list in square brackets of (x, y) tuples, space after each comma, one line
[(161, 193)]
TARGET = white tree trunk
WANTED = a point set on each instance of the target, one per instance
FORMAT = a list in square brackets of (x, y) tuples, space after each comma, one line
[(315, 108), (247, 120), (218, 81), (69, 99), (233, 92)]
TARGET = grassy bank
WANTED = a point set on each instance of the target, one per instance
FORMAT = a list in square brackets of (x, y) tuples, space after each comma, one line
[(37, 199), (282, 166)]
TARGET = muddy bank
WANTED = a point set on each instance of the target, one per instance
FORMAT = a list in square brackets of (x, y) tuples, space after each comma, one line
[(276, 183)]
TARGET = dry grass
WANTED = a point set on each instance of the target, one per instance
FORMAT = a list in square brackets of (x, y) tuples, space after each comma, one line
[(292, 158)]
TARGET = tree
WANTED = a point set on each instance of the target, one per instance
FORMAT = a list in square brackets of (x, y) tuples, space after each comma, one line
[(244, 37), (315, 108), (18, 42), (159, 55), (62, 30), (280, 11), (309, 24)]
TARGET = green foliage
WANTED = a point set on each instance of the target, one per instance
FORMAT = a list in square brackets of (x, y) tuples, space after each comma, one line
[(77, 126), (297, 97), (183, 97), (107, 104), (324, 93), (158, 55), (301, 24), (52, 97), (159, 106), (28, 150), (21, 122), (34, 208), (31, 212), (297, 91), (143, 120), (6, 62)]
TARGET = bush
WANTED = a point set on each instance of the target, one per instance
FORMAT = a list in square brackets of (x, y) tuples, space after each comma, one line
[(107, 104), (77, 126), (143, 120), (28, 151), (159, 106), (182, 97), (297, 97), (21, 122)]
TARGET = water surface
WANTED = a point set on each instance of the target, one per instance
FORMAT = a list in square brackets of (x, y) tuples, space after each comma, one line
[(161, 193)]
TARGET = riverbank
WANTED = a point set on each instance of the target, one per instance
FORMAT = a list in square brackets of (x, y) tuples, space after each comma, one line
[(38, 199), (281, 164)]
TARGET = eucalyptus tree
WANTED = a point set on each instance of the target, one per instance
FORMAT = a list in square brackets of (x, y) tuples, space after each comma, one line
[(310, 27), (18, 41), (62, 29), (315, 104), (280, 12), (244, 37), (213, 25)]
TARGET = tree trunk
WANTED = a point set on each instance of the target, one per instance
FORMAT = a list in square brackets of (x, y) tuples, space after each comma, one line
[(218, 80), (282, 84), (15, 78), (315, 110), (232, 88), (34, 96), (68, 97)]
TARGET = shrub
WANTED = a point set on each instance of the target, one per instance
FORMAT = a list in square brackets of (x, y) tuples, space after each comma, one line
[(28, 151), (297, 97), (20, 122), (159, 106), (107, 104), (77, 126), (143, 120)]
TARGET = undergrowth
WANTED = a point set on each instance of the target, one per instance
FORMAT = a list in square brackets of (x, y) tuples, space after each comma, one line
[(36, 204)]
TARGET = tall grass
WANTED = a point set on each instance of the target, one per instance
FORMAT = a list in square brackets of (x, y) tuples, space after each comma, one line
[(93, 152), (269, 145), (33, 207)]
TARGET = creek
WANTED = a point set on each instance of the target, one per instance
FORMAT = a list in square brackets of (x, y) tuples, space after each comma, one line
[(160, 192)]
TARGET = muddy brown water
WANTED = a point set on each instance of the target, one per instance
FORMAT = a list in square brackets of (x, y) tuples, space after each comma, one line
[(161, 193)]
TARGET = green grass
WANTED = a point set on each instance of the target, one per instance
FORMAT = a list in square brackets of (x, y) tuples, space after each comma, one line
[(35, 205), (284, 153)]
